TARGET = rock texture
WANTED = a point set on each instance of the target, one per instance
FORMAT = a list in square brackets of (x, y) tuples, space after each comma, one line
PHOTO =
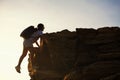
[(85, 54)]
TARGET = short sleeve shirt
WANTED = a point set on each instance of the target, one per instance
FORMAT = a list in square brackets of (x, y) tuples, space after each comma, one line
[(35, 36), (37, 33)]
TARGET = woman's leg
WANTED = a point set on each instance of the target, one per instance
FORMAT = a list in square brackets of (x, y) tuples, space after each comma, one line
[(24, 53)]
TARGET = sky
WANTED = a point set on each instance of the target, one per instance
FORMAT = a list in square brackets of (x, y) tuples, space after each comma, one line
[(56, 15)]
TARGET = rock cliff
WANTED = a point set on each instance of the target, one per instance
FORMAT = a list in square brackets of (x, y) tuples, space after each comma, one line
[(84, 54)]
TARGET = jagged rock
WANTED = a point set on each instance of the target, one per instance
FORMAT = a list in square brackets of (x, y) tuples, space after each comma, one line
[(112, 77), (95, 71), (84, 54)]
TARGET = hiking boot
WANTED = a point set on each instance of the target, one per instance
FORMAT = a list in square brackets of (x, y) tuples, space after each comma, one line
[(18, 69)]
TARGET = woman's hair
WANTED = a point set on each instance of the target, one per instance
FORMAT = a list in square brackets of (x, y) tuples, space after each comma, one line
[(40, 26)]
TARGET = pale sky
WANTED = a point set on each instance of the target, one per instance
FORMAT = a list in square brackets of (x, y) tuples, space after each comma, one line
[(56, 15)]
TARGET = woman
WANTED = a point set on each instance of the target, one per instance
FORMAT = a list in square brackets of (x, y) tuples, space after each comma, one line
[(28, 45)]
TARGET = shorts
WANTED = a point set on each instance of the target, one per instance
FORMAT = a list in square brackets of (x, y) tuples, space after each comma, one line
[(28, 43)]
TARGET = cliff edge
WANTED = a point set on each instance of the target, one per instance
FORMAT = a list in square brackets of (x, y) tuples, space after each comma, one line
[(84, 54)]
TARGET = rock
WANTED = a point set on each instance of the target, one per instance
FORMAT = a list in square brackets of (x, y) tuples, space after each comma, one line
[(84, 54)]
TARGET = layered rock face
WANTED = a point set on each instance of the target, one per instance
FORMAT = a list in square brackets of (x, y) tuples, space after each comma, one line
[(85, 54)]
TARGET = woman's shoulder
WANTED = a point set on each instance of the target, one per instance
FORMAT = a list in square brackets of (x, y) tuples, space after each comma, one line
[(39, 32)]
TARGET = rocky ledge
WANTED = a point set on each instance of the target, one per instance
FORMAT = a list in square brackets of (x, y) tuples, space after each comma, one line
[(84, 54)]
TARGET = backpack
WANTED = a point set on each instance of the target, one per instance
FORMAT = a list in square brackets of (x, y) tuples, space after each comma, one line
[(26, 33)]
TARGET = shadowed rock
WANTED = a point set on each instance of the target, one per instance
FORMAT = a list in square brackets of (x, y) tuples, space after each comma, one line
[(84, 54)]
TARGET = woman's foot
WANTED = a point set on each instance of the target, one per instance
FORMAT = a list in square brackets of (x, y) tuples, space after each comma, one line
[(18, 69)]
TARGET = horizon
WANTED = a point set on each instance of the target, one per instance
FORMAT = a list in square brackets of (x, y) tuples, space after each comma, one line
[(56, 15)]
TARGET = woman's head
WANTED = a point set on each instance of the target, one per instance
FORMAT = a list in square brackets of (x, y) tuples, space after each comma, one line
[(40, 27)]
